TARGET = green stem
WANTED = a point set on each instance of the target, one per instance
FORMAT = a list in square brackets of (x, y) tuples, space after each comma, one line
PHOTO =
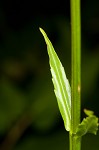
[(75, 144)]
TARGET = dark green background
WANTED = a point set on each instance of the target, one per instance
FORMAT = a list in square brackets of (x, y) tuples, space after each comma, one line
[(29, 115)]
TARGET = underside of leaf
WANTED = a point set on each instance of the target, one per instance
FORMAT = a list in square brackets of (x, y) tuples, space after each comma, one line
[(61, 84)]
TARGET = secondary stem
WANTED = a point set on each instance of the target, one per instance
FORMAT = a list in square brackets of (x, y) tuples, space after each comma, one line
[(75, 144)]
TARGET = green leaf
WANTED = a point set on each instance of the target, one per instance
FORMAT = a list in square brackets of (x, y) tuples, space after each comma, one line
[(88, 125), (61, 84), (88, 112)]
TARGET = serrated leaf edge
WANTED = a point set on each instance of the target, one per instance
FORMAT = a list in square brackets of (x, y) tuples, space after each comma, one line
[(86, 121)]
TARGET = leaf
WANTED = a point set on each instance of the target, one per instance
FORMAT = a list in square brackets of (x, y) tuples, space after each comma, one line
[(88, 112), (61, 84), (88, 125)]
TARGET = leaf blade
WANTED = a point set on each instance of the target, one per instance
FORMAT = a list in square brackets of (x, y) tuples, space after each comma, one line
[(61, 84), (88, 125)]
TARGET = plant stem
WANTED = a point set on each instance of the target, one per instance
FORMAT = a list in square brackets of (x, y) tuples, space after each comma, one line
[(75, 144)]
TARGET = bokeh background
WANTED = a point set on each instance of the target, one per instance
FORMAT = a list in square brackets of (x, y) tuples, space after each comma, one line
[(29, 115)]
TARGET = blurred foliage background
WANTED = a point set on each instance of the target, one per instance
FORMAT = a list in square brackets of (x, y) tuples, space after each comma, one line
[(29, 115)]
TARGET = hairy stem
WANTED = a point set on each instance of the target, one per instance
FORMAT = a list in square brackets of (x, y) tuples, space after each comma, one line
[(75, 144)]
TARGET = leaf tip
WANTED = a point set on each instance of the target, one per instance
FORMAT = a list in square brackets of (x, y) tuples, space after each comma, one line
[(88, 112), (42, 31)]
